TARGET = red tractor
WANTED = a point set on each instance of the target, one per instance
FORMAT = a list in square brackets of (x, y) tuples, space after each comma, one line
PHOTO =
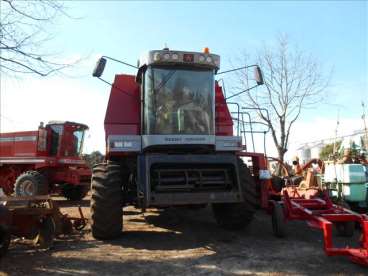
[(44, 161), (170, 142)]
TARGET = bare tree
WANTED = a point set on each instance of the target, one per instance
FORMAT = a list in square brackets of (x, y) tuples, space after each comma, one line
[(23, 32), (293, 81)]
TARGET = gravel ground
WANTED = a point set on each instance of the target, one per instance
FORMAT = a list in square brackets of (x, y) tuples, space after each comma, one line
[(182, 242)]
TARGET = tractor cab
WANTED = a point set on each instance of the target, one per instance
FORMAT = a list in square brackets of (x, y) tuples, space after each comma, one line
[(65, 139)]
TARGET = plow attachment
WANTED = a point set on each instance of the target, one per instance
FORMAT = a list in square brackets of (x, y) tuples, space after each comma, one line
[(37, 218)]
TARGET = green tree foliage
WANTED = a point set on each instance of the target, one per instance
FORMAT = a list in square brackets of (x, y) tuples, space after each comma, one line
[(327, 151), (93, 158)]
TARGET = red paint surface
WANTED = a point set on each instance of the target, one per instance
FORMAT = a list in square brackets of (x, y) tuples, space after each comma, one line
[(123, 111)]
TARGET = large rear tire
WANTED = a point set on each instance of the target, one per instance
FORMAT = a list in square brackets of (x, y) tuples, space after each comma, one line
[(31, 183), (106, 201), (278, 221), (236, 216)]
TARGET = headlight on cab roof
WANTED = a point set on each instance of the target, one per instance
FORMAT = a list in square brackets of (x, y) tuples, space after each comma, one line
[(207, 60)]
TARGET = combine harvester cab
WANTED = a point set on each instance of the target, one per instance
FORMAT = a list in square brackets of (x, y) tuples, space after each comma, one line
[(45, 161)]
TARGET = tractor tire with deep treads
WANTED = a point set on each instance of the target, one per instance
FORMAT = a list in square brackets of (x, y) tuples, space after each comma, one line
[(236, 216), (278, 220), (74, 192), (106, 201), (31, 183)]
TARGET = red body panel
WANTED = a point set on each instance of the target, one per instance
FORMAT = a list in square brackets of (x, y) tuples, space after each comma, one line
[(19, 143), (123, 114), (224, 122)]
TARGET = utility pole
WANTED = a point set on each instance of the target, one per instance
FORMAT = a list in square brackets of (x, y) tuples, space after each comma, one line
[(337, 126), (365, 140)]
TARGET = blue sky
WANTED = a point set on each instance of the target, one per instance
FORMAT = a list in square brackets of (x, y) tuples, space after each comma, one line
[(336, 33)]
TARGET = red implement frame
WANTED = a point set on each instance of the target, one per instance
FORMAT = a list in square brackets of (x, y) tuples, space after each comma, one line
[(321, 213)]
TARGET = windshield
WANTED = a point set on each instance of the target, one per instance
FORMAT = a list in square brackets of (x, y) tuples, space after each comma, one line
[(179, 101), (56, 132), (78, 141)]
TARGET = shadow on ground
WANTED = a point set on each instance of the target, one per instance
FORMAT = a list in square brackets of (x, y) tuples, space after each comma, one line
[(178, 241)]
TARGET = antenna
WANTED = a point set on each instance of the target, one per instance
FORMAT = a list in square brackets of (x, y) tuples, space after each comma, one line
[(365, 140)]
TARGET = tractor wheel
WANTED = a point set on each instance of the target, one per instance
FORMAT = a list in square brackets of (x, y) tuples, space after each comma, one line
[(236, 216), (345, 229), (31, 183), (74, 192), (278, 221), (4, 240), (106, 201), (46, 233)]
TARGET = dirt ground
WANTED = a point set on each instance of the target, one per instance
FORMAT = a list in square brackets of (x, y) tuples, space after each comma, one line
[(182, 242)]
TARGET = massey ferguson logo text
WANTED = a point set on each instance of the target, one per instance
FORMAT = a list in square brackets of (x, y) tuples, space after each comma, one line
[(188, 139)]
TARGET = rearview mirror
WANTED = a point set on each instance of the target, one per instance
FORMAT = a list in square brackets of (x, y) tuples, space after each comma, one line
[(258, 76), (99, 68)]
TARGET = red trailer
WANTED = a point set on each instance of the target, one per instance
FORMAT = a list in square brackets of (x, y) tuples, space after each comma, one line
[(44, 161), (308, 200)]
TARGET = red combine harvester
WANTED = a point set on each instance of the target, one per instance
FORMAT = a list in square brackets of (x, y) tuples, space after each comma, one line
[(44, 161), (170, 142)]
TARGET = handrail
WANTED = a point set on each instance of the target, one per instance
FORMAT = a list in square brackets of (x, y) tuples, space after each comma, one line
[(241, 122)]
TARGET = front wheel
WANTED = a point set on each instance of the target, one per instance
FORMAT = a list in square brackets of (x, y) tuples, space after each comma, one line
[(31, 183), (106, 201)]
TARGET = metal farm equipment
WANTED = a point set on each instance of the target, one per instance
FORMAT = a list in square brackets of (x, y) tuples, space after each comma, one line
[(45, 161), (37, 218), (309, 201)]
